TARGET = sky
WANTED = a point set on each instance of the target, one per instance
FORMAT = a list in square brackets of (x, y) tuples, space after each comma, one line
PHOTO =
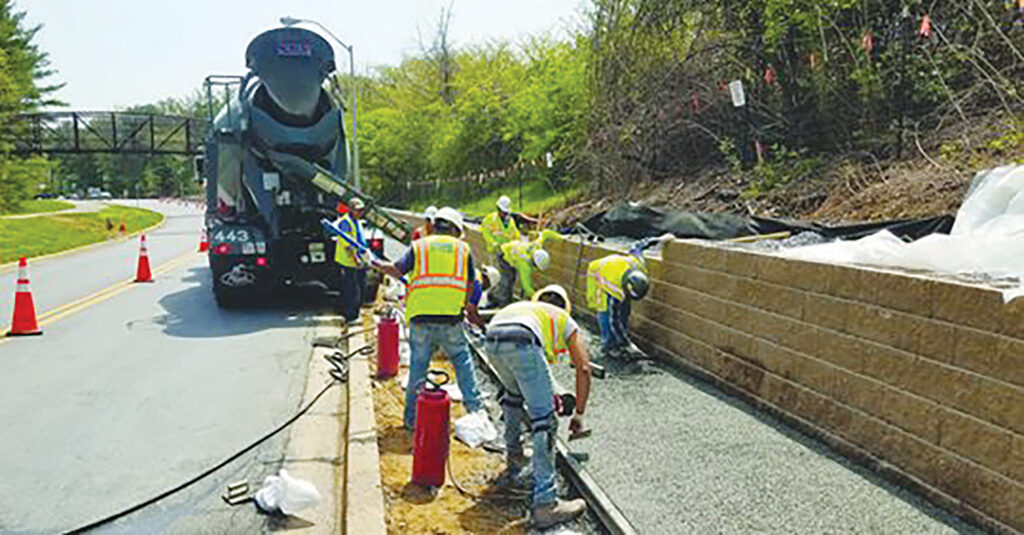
[(117, 53)]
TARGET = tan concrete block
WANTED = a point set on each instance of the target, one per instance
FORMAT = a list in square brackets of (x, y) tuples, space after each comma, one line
[(911, 413), (944, 384), (781, 393), (844, 351), (865, 394), (855, 284), (997, 402), (1010, 364), (807, 276), (990, 355), (1012, 322), (778, 299), (744, 291), (887, 327), (1015, 458), (890, 366), (741, 263), (813, 374), (827, 312), (776, 359), (977, 440), (913, 295), (693, 254), (740, 373), (973, 306), (735, 343), (990, 492), (936, 340)]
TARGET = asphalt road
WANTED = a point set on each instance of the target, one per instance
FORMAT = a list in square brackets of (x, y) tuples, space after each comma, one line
[(138, 392)]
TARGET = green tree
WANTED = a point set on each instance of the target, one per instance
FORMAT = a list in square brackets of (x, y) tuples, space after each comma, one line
[(22, 68)]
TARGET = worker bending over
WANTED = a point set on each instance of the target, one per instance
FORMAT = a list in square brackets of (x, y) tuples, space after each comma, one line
[(517, 259), (487, 278), (523, 339), (499, 227), (353, 265), (613, 283), (440, 286)]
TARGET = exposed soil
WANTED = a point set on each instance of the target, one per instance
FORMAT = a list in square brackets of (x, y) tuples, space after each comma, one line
[(414, 509), (931, 179)]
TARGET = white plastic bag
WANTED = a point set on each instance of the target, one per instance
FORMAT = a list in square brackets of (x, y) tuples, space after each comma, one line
[(475, 428), (286, 494)]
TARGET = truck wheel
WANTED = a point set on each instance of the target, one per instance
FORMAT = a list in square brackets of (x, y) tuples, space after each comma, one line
[(226, 297)]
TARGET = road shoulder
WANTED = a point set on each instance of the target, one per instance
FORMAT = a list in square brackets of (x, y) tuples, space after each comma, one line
[(316, 445)]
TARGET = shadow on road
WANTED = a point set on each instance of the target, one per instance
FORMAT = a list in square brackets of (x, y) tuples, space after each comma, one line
[(193, 312)]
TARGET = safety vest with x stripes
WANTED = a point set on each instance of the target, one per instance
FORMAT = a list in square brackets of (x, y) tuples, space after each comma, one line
[(439, 277)]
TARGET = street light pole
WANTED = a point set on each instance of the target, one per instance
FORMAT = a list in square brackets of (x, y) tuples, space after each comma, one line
[(291, 21)]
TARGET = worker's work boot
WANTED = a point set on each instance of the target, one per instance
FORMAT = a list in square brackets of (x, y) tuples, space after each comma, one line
[(557, 512), (514, 476)]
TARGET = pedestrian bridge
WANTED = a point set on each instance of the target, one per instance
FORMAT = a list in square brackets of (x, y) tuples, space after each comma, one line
[(79, 132)]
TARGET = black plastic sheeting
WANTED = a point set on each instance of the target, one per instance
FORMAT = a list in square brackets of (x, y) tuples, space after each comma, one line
[(637, 221)]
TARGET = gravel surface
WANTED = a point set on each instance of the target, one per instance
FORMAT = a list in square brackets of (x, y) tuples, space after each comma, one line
[(678, 456)]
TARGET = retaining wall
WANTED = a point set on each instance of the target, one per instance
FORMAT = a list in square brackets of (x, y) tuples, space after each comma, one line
[(919, 378)]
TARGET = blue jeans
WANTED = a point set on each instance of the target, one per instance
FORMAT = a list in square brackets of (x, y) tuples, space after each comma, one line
[(424, 339), (353, 283), (614, 323), (525, 376)]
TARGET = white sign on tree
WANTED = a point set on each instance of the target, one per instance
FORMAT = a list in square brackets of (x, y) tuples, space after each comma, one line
[(739, 99)]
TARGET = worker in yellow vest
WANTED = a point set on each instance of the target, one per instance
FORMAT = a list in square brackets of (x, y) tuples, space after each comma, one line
[(499, 227), (523, 339), (613, 283), (516, 260), (440, 285), (353, 266)]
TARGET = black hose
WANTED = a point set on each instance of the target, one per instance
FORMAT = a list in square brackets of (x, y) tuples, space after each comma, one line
[(339, 372)]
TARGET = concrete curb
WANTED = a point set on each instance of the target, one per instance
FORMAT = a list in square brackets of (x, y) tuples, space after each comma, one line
[(10, 266), (316, 451), (364, 494)]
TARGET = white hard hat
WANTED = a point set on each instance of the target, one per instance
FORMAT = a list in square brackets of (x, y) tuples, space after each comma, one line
[(541, 259), (557, 290), (450, 215), (430, 212), (357, 204), (504, 203), (492, 274)]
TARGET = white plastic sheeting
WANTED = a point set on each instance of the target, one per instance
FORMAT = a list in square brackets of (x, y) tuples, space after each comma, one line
[(987, 238)]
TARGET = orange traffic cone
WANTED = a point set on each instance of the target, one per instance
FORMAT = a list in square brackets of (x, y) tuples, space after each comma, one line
[(24, 322), (204, 242), (143, 274)]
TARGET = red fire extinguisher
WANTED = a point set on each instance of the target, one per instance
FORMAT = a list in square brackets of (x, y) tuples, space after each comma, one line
[(431, 437), (387, 347)]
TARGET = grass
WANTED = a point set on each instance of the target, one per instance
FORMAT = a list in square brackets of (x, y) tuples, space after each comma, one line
[(41, 206), (44, 235), (538, 197)]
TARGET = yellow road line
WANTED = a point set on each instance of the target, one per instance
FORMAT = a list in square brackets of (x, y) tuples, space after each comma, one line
[(67, 309)]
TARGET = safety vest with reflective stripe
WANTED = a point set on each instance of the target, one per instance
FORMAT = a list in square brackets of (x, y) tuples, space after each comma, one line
[(552, 321), (439, 277), (604, 277), (344, 254), (497, 233)]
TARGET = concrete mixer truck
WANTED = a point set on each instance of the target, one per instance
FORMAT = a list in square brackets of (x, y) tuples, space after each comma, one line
[(275, 163)]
